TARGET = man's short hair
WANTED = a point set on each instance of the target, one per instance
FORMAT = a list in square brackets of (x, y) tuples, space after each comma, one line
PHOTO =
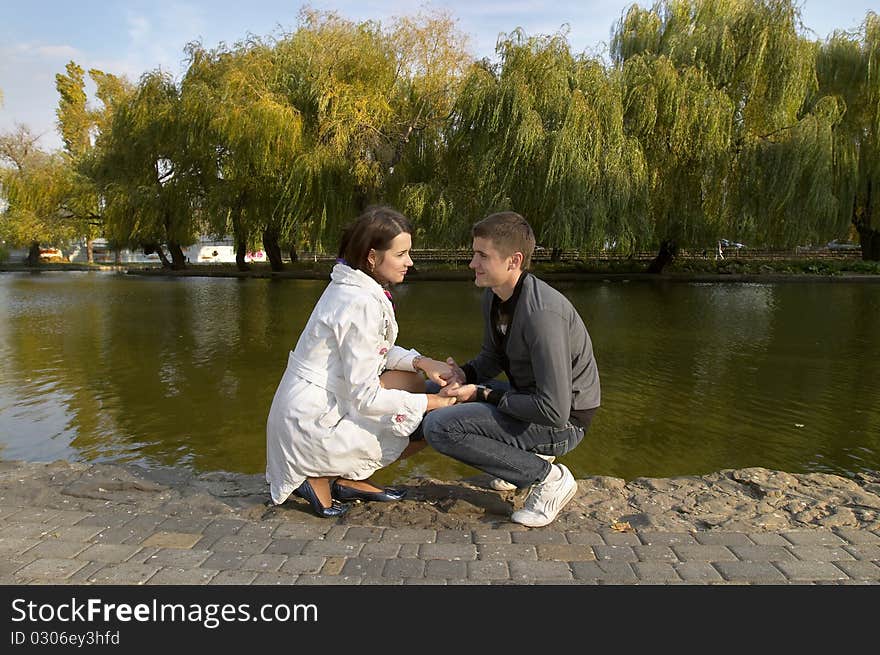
[(509, 233)]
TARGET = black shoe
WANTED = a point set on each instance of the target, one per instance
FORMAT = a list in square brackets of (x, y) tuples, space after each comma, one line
[(387, 495), (336, 508)]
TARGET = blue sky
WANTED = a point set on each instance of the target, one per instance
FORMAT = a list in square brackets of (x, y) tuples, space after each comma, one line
[(130, 37)]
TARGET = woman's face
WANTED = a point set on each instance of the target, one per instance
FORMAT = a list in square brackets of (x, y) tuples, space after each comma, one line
[(390, 266)]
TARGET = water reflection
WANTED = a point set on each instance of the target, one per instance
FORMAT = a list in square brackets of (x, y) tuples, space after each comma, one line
[(696, 377)]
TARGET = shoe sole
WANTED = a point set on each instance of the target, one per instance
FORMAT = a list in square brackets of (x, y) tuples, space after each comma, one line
[(541, 524)]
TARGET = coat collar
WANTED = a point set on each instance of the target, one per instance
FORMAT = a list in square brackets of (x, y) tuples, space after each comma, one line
[(344, 275)]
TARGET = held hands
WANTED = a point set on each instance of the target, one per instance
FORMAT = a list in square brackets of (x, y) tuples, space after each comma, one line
[(457, 372), (438, 400), (439, 372), (462, 393)]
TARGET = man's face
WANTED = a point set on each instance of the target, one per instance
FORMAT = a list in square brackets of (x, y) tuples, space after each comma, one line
[(491, 269)]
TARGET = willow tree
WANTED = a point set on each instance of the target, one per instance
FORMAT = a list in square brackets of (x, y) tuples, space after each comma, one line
[(33, 184), (849, 70), (541, 132), (746, 67), (244, 138), (143, 174), (79, 122)]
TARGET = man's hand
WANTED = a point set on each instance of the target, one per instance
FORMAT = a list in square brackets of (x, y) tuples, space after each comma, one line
[(463, 393), (457, 374)]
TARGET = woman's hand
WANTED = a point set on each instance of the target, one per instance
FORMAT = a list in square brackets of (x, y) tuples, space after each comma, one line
[(439, 372), (457, 372), (463, 393), (436, 401)]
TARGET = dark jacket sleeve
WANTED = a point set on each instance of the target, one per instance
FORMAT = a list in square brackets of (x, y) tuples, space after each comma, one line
[(548, 340)]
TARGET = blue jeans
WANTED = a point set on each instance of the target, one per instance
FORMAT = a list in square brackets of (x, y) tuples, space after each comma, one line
[(480, 435)]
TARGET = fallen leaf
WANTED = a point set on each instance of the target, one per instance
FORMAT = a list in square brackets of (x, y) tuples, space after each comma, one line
[(622, 526)]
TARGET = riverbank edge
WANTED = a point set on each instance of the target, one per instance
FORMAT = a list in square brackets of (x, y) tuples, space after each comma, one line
[(464, 274)]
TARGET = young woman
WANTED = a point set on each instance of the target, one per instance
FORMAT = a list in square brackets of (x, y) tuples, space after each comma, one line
[(350, 398)]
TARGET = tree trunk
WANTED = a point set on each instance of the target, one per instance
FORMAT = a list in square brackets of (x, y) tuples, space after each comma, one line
[(33, 258), (555, 254), (668, 251), (869, 237), (90, 252), (273, 250), (151, 248), (178, 261), (240, 254), (294, 257)]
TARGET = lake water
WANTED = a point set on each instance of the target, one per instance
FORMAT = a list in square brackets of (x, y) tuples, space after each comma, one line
[(695, 378)]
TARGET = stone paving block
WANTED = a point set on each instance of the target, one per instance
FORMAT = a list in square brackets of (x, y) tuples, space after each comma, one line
[(303, 564), (26, 530), (655, 572), (704, 553), (523, 570), (364, 535), (225, 561), (855, 536), (410, 536), (301, 530), (333, 548), (6, 511), (328, 580), (565, 552), (332, 566), (142, 554), (184, 576), (164, 539), (69, 517), (507, 551), (868, 552), (177, 558), (381, 551), (585, 538), (108, 553), (372, 581), (615, 572), (108, 519), (859, 570), (654, 538), (404, 568), (488, 570), (223, 527), (189, 524), (762, 553), (813, 537), (809, 571), (439, 568), (542, 536), (697, 572), (454, 537), (54, 549), (371, 567), (448, 551), (286, 546), (264, 563), (768, 539), (724, 539), (238, 544), (36, 515), (425, 581), (655, 553), (619, 553), (125, 573), (85, 573), (408, 550), (13, 546), (820, 553), (753, 572), (10, 566), (50, 568), (336, 533), (486, 536), (613, 538), (81, 533), (235, 578), (284, 579), (259, 531)]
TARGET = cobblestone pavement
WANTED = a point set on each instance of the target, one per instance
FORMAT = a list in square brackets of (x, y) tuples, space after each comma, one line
[(119, 545)]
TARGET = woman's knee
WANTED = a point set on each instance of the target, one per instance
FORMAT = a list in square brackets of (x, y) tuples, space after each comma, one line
[(403, 380)]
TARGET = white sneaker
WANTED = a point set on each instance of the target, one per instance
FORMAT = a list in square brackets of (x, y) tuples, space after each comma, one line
[(546, 500), (503, 485)]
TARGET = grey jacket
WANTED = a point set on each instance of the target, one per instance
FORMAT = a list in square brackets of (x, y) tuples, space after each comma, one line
[(548, 357)]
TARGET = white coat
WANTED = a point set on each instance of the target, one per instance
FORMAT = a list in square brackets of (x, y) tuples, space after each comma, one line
[(330, 416)]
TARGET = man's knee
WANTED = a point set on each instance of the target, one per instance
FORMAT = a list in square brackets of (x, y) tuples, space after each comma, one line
[(436, 430)]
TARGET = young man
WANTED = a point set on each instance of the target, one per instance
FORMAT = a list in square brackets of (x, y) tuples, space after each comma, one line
[(534, 335)]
